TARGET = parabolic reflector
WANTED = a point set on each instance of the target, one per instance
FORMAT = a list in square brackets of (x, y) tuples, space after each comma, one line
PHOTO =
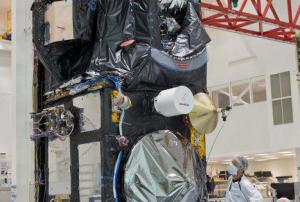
[(204, 116)]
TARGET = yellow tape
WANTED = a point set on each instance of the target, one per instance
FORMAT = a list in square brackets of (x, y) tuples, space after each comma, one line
[(114, 93), (198, 142), (115, 117)]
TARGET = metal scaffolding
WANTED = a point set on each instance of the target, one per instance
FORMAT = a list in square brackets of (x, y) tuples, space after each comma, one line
[(264, 21)]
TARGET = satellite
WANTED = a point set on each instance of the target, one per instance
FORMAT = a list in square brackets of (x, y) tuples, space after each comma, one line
[(120, 93)]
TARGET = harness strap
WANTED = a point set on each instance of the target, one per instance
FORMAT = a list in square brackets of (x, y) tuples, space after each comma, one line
[(240, 189)]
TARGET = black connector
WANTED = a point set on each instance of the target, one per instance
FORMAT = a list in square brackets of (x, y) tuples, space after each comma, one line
[(223, 111)]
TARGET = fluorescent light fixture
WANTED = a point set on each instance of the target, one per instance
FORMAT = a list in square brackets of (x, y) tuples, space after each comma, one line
[(262, 154), (272, 158), (269, 156), (289, 154), (261, 160), (250, 158), (285, 152), (228, 160)]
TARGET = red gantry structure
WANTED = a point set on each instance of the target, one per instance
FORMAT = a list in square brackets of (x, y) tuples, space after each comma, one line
[(254, 17)]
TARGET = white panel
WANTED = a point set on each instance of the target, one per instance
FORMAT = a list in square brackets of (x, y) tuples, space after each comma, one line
[(59, 15), (59, 167), (89, 171), (5, 72), (5, 194), (90, 104), (5, 80), (5, 124)]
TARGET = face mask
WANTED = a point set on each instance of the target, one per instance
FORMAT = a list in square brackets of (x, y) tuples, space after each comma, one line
[(232, 170)]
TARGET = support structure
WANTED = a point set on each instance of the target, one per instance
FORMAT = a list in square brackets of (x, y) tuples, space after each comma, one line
[(22, 63), (264, 21)]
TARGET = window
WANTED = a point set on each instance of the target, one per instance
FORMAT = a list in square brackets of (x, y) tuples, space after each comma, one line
[(221, 97), (240, 93), (281, 98), (259, 89)]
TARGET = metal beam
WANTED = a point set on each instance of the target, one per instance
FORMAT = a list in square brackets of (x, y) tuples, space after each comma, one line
[(225, 17)]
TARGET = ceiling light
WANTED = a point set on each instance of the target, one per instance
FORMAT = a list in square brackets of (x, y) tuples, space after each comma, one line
[(272, 158), (261, 160), (262, 154), (269, 156), (228, 160), (285, 152), (250, 158), (289, 155)]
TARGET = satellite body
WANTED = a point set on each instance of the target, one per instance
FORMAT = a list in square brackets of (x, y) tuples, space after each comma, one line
[(128, 52)]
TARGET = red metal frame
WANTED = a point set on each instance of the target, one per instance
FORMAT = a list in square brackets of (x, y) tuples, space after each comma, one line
[(226, 17)]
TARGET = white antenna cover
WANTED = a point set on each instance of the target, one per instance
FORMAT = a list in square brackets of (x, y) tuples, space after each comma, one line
[(174, 101)]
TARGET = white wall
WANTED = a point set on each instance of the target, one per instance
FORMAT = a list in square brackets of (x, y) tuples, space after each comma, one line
[(250, 129), (5, 103), (5, 72), (5, 124), (235, 57), (241, 134)]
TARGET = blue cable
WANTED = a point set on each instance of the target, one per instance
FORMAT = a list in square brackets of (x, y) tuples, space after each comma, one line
[(116, 175), (115, 81), (118, 163)]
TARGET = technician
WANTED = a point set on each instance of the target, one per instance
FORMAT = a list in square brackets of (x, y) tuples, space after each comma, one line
[(239, 189)]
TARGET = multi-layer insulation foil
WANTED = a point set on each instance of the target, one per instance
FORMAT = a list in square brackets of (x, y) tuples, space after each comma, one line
[(164, 167), (168, 47)]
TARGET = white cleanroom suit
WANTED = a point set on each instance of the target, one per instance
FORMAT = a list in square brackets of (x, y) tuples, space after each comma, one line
[(242, 191)]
